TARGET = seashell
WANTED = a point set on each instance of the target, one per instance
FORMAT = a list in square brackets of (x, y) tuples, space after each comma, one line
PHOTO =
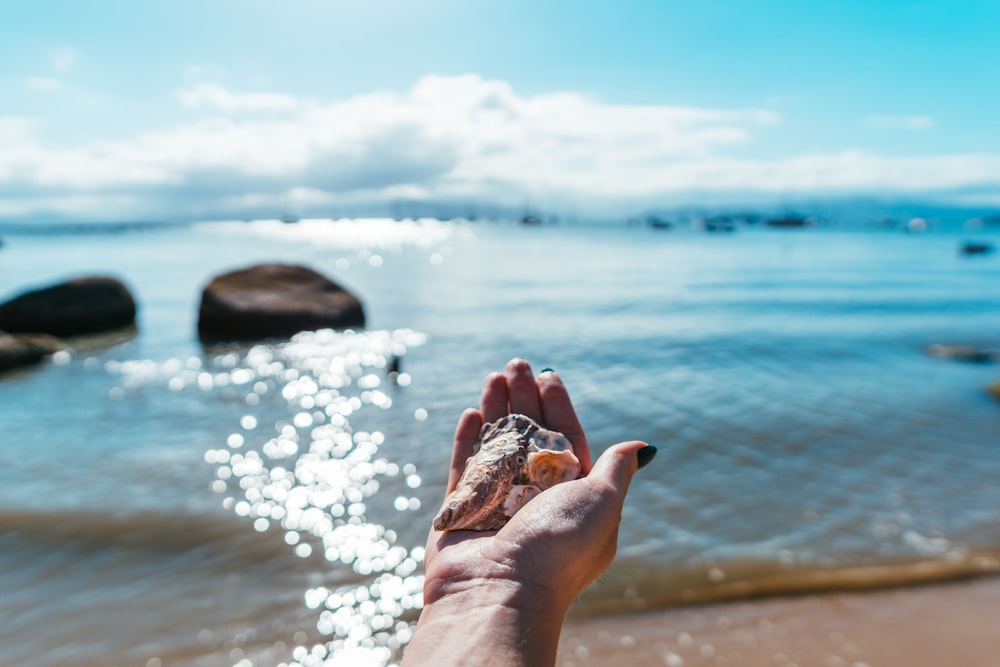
[(514, 460)]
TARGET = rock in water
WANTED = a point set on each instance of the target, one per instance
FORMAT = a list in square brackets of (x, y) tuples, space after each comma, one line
[(272, 301), (994, 389), (514, 460), (969, 353), (19, 350), (78, 307)]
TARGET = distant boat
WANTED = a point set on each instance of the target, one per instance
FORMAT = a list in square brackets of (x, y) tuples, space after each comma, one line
[(789, 222), (885, 222), (530, 220), (289, 219), (719, 223), (657, 222), (976, 248)]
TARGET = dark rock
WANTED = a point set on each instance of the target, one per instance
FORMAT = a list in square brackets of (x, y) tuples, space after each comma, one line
[(719, 223), (994, 389), (976, 248), (17, 350), (788, 222), (78, 307), (969, 353), (272, 301)]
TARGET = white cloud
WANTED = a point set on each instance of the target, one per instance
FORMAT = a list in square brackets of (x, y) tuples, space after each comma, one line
[(16, 134), (64, 60), (901, 122), (42, 84), (214, 96), (61, 61), (462, 139)]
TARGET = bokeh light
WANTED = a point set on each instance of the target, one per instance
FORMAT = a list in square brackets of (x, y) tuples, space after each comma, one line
[(294, 463)]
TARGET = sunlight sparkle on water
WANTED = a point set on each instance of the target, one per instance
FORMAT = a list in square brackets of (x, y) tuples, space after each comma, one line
[(363, 234), (310, 475), (293, 463)]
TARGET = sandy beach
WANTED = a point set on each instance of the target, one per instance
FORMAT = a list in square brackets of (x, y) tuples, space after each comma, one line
[(925, 626)]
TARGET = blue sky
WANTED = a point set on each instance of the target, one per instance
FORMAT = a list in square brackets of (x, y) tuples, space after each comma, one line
[(236, 108)]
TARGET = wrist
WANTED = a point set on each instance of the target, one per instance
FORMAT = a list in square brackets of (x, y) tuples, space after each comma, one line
[(486, 622)]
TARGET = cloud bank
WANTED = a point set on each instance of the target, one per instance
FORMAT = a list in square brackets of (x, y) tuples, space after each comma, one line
[(460, 140)]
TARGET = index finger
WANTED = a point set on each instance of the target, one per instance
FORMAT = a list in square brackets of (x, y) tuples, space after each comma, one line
[(466, 435), (558, 414)]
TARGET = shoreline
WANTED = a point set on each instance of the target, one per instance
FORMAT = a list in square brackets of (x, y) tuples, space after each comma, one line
[(927, 625)]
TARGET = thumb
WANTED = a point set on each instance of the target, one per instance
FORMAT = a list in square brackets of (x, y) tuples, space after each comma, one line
[(618, 464)]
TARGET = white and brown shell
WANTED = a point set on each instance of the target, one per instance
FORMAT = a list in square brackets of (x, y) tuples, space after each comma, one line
[(514, 460)]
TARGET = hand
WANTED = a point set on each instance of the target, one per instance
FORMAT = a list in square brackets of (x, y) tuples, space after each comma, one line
[(518, 582)]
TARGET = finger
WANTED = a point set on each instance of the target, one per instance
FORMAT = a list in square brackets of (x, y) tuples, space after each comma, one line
[(494, 400), (522, 390), (558, 414), (466, 435), (617, 466)]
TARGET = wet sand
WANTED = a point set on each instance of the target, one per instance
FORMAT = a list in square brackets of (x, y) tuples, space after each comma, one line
[(926, 626)]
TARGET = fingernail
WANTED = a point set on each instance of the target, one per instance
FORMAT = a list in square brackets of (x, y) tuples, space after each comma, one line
[(547, 370), (646, 455)]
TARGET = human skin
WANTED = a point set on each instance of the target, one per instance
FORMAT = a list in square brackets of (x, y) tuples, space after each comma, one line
[(499, 598)]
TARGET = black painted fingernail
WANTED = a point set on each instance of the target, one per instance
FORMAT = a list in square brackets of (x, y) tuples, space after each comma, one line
[(547, 370), (646, 454)]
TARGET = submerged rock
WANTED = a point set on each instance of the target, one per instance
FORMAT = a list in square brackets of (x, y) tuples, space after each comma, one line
[(18, 350), (514, 461), (967, 353), (976, 248), (994, 389), (78, 307), (274, 301)]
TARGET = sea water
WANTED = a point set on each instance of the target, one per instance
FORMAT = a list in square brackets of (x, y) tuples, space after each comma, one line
[(162, 503)]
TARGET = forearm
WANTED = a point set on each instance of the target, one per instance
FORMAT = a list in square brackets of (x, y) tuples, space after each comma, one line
[(495, 624)]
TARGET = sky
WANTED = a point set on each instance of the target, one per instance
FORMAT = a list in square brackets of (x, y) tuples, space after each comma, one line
[(116, 110)]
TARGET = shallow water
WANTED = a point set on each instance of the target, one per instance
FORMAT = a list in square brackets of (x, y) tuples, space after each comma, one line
[(165, 504)]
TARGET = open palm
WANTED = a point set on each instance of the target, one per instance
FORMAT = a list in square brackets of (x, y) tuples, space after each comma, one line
[(561, 540)]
